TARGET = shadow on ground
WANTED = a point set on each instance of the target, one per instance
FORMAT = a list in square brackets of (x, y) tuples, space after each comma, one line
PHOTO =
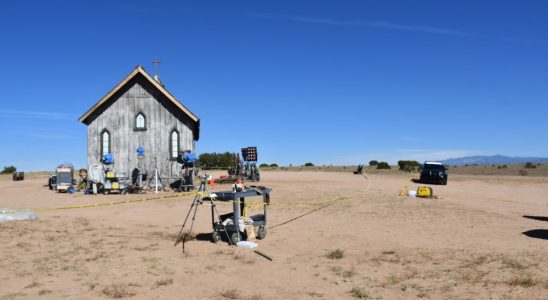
[(538, 218), (537, 234)]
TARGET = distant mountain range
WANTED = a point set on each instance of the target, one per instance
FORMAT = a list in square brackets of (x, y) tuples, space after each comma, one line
[(494, 159)]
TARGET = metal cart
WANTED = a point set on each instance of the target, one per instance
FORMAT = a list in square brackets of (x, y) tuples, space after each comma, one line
[(238, 206)]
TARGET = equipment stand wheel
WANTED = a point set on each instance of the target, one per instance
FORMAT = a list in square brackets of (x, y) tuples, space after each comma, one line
[(215, 236), (235, 238), (261, 232)]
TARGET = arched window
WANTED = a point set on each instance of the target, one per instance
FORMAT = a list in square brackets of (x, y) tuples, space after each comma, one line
[(174, 144), (140, 122), (105, 142)]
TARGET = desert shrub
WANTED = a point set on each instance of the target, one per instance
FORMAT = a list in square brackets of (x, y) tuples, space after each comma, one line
[(309, 164), (336, 254), (216, 160), (499, 167), (118, 291), (530, 165), (383, 166), (231, 294), (523, 173), (273, 165), (163, 282), (263, 166), (9, 170), (408, 165), (360, 292), (373, 163)]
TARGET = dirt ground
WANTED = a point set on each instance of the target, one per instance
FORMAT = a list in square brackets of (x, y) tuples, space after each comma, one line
[(372, 244)]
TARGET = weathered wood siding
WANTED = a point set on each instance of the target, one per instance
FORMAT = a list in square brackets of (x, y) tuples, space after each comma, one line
[(118, 117)]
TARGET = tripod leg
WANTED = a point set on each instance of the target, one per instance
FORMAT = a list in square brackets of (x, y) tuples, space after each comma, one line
[(178, 240), (187, 236), (221, 222)]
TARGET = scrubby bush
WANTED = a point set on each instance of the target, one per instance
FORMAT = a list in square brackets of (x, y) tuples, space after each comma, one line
[(523, 173), (373, 163), (9, 170), (408, 165), (216, 160), (383, 166), (530, 165), (263, 166), (309, 164), (273, 165)]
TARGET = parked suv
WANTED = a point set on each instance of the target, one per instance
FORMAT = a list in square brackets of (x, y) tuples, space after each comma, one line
[(433, 172)]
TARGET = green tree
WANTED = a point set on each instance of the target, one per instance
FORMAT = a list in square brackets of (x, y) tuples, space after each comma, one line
[(408, 165), (373, 163), (383, 166), (9, 170), (309, 164), (273, 165), (216, 160), (263, 166), (530, 165)]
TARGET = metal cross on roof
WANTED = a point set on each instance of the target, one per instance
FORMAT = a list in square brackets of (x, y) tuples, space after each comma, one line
[(156, 62)]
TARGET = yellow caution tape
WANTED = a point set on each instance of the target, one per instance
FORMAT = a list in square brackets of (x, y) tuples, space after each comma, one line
[(109, 203), (248, 204)]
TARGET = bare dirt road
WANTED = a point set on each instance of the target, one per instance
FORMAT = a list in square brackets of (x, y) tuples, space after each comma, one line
[(372, 244)]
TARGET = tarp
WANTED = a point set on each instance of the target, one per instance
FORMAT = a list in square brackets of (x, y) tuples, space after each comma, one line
[(7, 214)]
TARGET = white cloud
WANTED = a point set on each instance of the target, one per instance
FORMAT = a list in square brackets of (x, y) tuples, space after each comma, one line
[(377, 24), (36, 114), (50, 136)]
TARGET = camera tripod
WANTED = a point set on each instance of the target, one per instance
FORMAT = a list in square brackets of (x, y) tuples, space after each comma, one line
[(199, 199)]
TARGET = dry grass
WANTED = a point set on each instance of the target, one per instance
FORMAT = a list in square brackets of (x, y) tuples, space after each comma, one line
[(395, 279), (525, 281), (336, 254), (513, 264), (360, 292), (44, 291), (171, 236), (474, 276), (33, 284), (163, 282), (117, 290), (231, 294)]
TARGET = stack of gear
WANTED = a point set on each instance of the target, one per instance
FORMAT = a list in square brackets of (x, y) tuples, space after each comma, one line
[(250, 170), (137, 176), (83, 181), (103, 179), (64, 178), (96, 179), (188, 172), (246, 169), (425, 192), (113, 181), (18, 176)]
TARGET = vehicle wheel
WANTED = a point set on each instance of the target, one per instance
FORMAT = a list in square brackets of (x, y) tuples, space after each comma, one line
[(445, 181), (261, 232), (106, 192), (235, 238), (215, 236)]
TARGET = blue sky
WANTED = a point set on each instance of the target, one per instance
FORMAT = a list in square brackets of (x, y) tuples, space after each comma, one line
[(331, 82)]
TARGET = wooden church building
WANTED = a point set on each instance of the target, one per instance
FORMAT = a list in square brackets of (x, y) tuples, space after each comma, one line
[(139, 111)]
